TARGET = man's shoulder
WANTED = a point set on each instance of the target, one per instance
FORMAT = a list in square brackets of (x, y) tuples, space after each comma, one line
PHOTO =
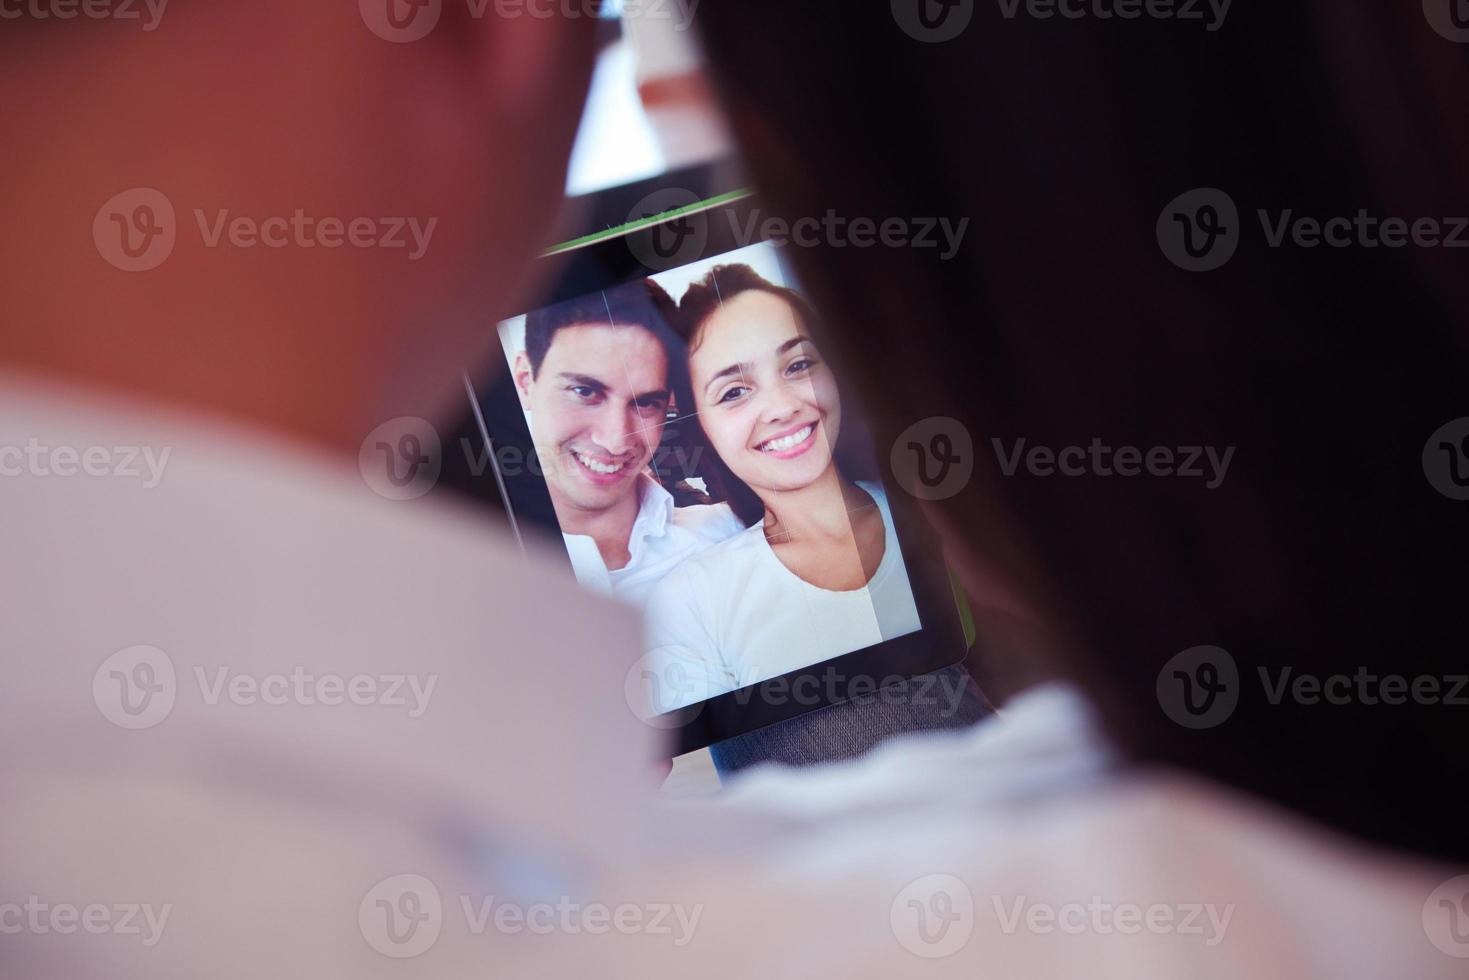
[(704, 569)]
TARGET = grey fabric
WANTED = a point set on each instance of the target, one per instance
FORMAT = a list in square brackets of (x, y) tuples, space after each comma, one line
[(947, 698)]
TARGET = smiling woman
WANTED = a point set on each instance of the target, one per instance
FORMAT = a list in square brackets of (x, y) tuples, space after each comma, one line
[(820, 573)]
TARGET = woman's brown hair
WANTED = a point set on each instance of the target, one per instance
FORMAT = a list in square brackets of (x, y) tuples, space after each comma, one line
[(1325, 550)]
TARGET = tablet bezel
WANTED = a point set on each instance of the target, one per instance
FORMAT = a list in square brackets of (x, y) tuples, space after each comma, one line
[(613, 259)]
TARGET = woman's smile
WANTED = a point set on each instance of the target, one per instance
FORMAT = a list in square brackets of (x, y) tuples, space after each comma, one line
[(790, 443)]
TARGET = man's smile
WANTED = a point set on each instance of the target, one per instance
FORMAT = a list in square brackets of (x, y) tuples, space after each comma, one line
[(601, 470)]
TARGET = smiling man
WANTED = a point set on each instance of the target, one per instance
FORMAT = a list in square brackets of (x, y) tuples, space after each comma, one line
[(596, 379)]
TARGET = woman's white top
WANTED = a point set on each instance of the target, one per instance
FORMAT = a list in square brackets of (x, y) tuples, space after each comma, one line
[(734, 615)]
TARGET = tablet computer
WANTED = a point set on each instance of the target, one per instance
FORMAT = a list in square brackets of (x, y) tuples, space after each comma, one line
[(667, 414)]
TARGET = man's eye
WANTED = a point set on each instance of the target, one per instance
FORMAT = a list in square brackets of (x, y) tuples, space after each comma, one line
[(650, 404), (731, 394), (584, 392)]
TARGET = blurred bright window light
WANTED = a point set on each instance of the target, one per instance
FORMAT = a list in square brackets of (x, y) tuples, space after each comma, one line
[(616, 143), (649, 109)]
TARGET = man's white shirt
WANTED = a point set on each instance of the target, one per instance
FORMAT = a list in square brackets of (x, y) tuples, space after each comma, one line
[(662, 537)]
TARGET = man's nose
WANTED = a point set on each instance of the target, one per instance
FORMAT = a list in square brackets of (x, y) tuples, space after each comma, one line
[(616, 430)]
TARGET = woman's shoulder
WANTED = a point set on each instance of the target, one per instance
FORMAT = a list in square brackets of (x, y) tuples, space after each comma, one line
[(874, 490)]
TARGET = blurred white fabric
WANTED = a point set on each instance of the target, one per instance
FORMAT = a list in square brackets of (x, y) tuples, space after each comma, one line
[(270, 840), (960, 890), (264, 825)]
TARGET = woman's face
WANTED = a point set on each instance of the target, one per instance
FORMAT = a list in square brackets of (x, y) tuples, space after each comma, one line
[(766, 399)]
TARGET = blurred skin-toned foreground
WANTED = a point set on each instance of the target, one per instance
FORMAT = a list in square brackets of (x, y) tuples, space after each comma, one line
[(261, 721), (264, 111), (242, 692)]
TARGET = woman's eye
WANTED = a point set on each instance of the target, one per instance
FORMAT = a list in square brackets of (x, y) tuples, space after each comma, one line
[(730, 394), (801, 366)]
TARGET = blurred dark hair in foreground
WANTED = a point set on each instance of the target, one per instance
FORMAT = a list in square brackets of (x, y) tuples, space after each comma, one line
[(1325, 550)]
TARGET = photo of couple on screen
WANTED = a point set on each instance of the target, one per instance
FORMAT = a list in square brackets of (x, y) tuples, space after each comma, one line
[(694, 444)]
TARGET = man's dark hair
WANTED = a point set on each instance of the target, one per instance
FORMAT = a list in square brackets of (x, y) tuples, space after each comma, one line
[(642, 303), (1325, 552)]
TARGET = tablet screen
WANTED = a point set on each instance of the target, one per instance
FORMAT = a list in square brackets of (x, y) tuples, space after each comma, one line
[(705, 464)]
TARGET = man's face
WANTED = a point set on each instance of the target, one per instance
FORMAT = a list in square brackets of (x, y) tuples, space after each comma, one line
[(597, 407)]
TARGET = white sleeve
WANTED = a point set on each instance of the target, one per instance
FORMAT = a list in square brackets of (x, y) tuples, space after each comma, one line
[(683, 665)]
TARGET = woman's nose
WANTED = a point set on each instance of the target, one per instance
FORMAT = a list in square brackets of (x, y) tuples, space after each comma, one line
[(780, 402)]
